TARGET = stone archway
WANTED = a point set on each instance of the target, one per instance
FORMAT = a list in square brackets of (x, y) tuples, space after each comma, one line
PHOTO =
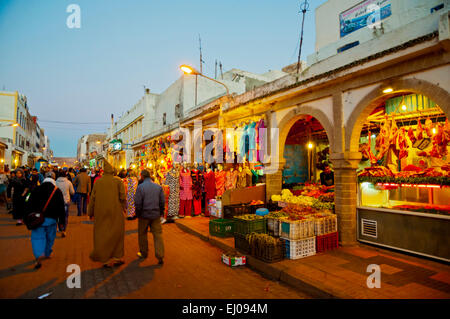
[(293, 116), (363, 109), (274, 181)]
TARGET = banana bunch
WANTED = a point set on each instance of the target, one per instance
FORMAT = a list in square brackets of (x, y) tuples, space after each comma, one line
[(259, 240)]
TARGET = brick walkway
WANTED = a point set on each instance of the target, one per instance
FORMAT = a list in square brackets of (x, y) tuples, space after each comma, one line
[(192, 268), (342, 272)]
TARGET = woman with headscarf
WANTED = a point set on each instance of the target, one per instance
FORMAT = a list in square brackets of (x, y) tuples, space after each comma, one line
[(20, 186), (107, 207)]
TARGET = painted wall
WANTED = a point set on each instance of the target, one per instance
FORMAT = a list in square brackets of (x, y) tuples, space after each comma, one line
[(404, 13)]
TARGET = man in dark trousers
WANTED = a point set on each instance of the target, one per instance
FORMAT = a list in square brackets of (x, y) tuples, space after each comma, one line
[(82, 182), (150, 203)]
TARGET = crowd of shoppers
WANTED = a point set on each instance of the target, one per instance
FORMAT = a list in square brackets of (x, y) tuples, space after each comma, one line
[(106, 197)]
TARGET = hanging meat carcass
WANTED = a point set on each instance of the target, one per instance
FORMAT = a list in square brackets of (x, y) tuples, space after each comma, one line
[(401, 146), (419, 130), (429, 127), (411, 135)]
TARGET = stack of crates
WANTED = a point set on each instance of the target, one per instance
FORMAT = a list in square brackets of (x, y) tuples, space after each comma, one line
[(325, 229), (299, 238)]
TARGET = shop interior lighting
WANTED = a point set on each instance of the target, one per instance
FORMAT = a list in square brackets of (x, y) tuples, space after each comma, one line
[(310, 145), (15, 124), (434, 130), (162, 161), (410, 185), (388, 90), (404, 107)]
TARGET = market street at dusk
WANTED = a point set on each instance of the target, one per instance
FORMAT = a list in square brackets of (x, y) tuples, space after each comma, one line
[(244, 156)]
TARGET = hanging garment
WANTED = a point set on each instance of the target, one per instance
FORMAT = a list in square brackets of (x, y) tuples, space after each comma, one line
[(210, 188), (231, 179), (185, 185), (131, 186), (197, 184), (220, 182), (241, 179), (173, 181), (252, 141), (243, 142), (261, 141), (166, 190), (185, 207)]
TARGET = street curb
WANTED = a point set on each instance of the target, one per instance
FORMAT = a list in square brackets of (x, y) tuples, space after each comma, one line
[(271, 271)]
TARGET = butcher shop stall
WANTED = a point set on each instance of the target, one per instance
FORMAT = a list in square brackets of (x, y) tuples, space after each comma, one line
[(404, 177)]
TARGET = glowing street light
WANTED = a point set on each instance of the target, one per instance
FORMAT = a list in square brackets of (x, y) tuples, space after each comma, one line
[(191, 71)]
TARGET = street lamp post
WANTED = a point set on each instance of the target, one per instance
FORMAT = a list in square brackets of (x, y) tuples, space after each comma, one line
[(191, 71), (10, 124)]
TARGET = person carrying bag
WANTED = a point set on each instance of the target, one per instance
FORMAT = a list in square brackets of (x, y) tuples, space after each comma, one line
[(36, 218), (43, 222)]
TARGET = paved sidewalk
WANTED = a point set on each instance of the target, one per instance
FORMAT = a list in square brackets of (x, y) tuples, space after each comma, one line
[(192, 268), (341, 273)]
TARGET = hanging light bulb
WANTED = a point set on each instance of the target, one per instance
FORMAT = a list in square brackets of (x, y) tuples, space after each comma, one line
[(434, 130), (310, 145), (404, 107)]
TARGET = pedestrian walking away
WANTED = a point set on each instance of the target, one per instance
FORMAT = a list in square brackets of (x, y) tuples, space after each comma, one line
[(82, 182), (107, 207), (20, 185), (150, 203), (43, 237), (67, 190)]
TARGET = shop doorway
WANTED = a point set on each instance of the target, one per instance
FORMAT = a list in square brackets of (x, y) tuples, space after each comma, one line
[(306, 153)]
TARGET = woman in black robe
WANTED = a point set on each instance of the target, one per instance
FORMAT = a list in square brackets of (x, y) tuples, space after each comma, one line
[(20, 187)]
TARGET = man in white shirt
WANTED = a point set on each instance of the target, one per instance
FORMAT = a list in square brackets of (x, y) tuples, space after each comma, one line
[(66, 188)]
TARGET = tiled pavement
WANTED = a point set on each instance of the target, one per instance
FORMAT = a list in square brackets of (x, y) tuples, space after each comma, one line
[(192, 269), (342, 272)]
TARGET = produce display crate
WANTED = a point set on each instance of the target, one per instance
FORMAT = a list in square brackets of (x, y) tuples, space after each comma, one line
[(269, 253), (296, 249), (327, 242), (273, 226), (221, 227), (253, 208), (298, 229), (234, 261), (245, 227), (230, 211), (241, 243), (325, 225)]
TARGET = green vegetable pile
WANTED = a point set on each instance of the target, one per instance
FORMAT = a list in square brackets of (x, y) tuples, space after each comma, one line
[(277, 214), (249, 217)]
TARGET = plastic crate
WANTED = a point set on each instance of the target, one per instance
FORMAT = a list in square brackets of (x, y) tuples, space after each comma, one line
[(273, 226), (296, 249), (269, 253), (230, 211), (246, 227), (327, 242), (325, 225), (221, 227), (241, 243), (298, 229)]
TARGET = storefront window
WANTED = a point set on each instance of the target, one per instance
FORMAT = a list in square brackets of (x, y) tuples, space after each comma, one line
[(406, 162)]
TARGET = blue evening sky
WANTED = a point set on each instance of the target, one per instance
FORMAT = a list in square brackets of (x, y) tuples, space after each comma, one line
[(84, 75)]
